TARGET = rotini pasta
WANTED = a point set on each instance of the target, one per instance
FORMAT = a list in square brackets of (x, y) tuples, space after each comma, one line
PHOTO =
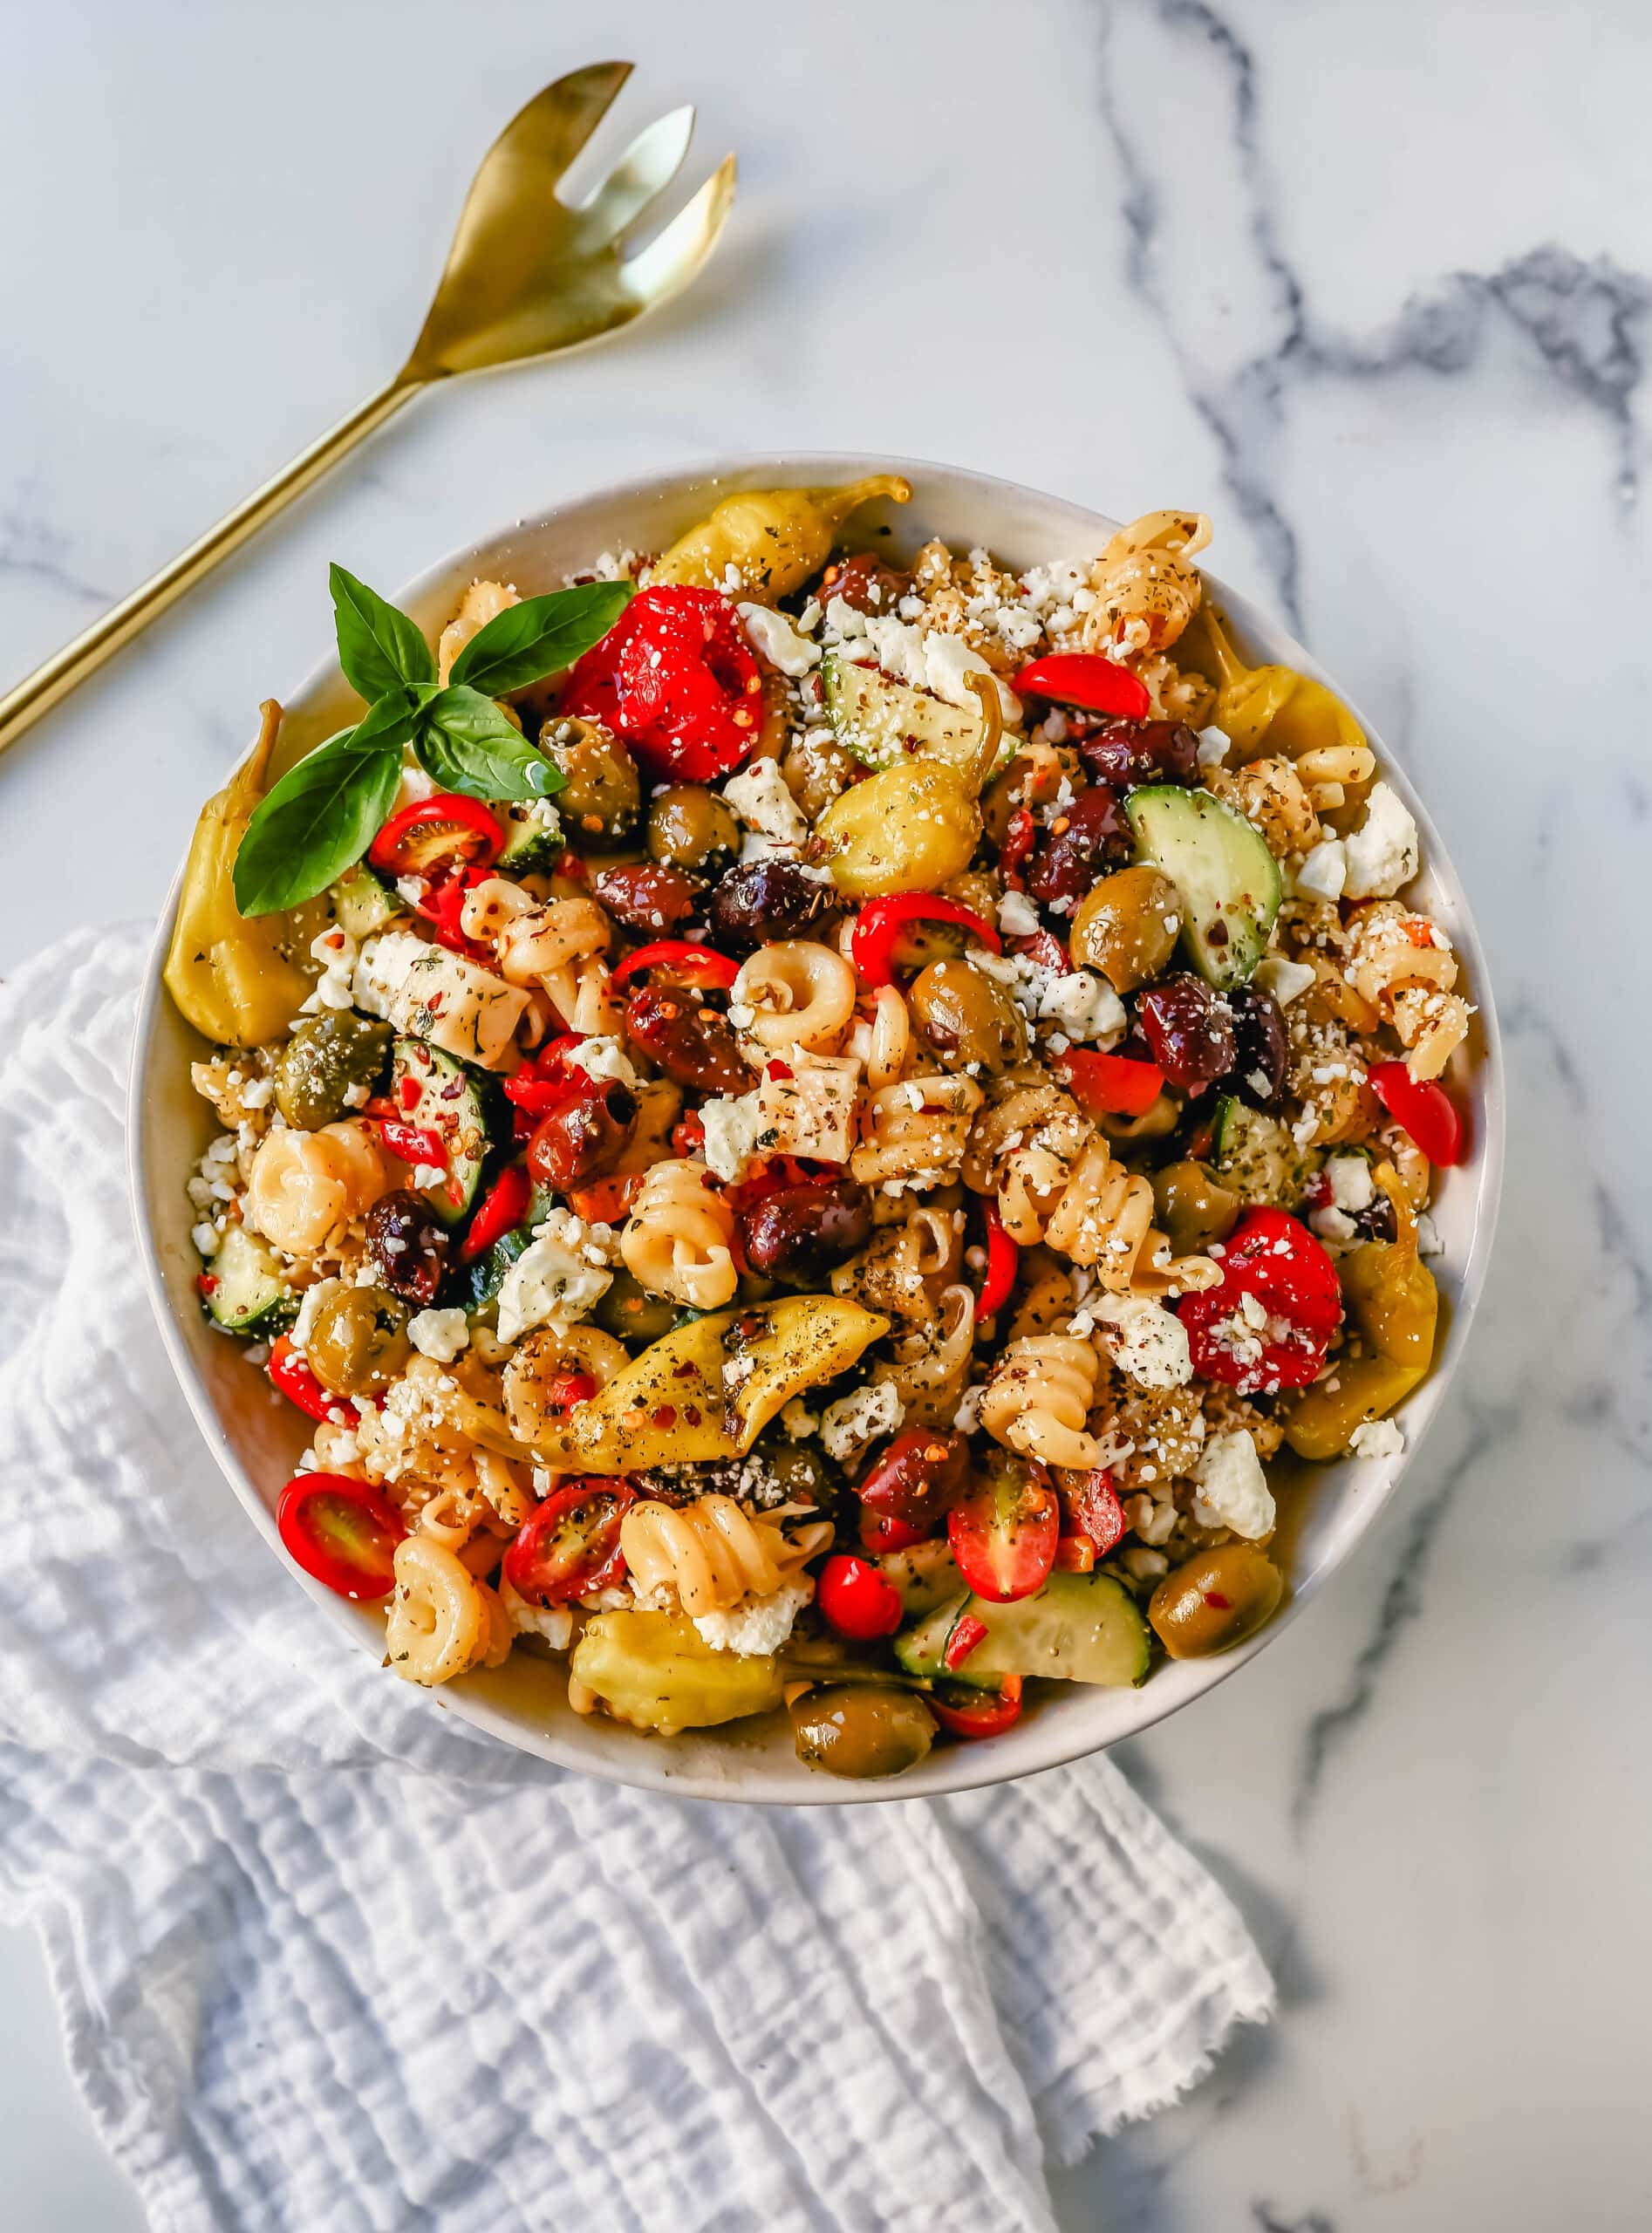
[(676, 1241), (914, 1132), (1038, 1399), (304, 1187), (442, 1620), (1402, 963), (799, 994), (709, 1553)]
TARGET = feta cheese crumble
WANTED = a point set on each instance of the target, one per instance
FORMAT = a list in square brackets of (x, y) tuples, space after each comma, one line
[(773, 637), (1325, 871), (439, 1334), (758, 795), (1376, 1438), (1147, 1343), (757, 1625), (1231, 1488), (855, 1421), (1382, 853), (733, 1124), (563, 1274)]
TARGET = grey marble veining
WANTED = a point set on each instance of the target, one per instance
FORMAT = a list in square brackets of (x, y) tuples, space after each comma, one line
[(1371, 285)]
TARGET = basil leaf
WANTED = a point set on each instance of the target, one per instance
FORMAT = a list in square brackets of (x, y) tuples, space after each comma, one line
[(379, 649), (468, 745), (540, 637), (323, 814)]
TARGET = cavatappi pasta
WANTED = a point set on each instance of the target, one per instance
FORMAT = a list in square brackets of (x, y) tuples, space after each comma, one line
[(930, 1089)]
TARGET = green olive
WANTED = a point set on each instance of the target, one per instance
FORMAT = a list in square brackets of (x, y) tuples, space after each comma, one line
[(631, 1313), (602, 795), (1215, 1600), (964, 1016), (1126, 926), (801, 1472), (690, 827), (852, 1729), (326, 1056), (1192, 1207), (359, 1342)]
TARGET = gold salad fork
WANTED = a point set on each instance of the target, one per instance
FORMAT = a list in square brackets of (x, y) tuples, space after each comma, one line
[(528, 275)]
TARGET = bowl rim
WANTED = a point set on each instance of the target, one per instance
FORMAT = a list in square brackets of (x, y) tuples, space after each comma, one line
[(646, 1765)]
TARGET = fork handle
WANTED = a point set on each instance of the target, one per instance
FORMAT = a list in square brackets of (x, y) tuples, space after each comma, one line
[(37, 692)]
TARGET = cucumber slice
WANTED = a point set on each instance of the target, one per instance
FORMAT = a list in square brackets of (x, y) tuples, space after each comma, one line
[(250, 1294), (435, 1091), (1255, 1157), (1228, 880), (363, 903), (919, 1648), (881, 720), (1079, 1627), (534, 838), (925, 1574)]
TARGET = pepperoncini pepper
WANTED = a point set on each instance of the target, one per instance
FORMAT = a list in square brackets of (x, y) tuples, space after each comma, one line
[(1271, 709), (656, 1671), (226, 973), (1392, 1301), (774, 538), (915, 826)]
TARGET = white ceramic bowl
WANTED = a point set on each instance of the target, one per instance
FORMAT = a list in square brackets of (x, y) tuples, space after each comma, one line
[(257, 1436)]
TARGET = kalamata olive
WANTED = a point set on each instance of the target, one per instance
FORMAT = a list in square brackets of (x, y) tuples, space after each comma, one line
[(327, 1054), (966, 1018), (918, 1476), (1192, 1208), (1142, 752), (805, 1231), (359, 1342), (860, 1729), (693, 1045), (631, 1313), (1127, 925), (764, 901), (602, 794), (1261, 1051), (1188, 1029), (865, 581), (689, 827), (584, 1135), (408, 1247), (1215, 1600), (651, 900), (1083, 841)]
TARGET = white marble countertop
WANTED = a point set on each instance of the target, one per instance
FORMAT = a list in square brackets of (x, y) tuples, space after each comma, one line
[(1369, 284)]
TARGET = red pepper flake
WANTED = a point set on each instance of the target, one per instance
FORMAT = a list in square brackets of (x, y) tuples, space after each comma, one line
[(777, 1070), (693, 1414), (407, 1092), (665, 1416), (1215, 1599), (207, 1284)]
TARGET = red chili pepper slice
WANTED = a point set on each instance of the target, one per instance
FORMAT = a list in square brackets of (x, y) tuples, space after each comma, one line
[(413, 1142), (1109, 1085), (341, 1532), (441, 908), (1273, 1260), (1004, 1539), (1085, 679), (1003, 1261), (878, 925), (437, 834), (500, 1211), (290, 1373), (569, 1546), (857, 1600), (977, 1713), (1421, 1108), (675, 677), (966, 1633), (687, 963)]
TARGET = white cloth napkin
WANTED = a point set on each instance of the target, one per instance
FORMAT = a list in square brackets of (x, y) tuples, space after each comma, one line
[(329, 1961)]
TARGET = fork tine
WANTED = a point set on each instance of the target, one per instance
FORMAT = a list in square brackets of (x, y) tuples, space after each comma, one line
[(671, 260), (646, 169), (553, 127)]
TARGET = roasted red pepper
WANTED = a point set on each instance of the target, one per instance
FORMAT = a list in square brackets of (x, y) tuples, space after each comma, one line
[(1109, 1085), (1423, 1109), (413, 1142), (442, 906), (1085, 679), (502, 1210), (966, 1633), (676, 678), (1003, 1261), (880, 923), (1269, 1323), (436, 835)]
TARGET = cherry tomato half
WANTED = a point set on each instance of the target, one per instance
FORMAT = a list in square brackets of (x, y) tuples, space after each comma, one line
[(436, 835), (1421, 1108), (1270, 1321), (1096, 1511), (570, 1545), (917, 1475), (856, 1599), (976, 1713), (1004, 1539), (341, 1532)]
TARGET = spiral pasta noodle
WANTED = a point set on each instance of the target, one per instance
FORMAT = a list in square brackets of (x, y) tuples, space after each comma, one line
[(304, 1187), (676, 1240), (1021, 1147), (881, 1041), (915, 1130), (799, 994), (1403, 965), (442, 1620), (1038, 1397), (1104, 1221), (711, 1553), (931, 1362), (1147, 587), (535, 941)]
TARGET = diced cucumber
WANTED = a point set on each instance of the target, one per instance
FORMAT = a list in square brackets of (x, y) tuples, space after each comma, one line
[(362, 904), (1228, 881), (533, 838), (925, 1574), (249, 1291), (919, 1648), (881, 720), (1079, 1627), (436, 1092), (1255, 1157)]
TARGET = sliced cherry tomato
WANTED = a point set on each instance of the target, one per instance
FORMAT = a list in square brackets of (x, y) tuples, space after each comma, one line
[(1085, 679), (976, 1713), (922, 1471), (1003, 1261), (436, 835), (881, 922), (1075, 1554), (676, 678), (1270, 1321), (297, 1384), (857, 1599), (341, 1532), (1109, 1085), (966, 1633), (502, 1210), (1093, 1501), (1004, 1539), (570, 1545), (684, 963), (413, 1142), (1421, 1108), (606, 1201)]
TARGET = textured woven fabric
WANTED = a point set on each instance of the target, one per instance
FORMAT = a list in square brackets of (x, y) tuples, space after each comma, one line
[(329, 1961)]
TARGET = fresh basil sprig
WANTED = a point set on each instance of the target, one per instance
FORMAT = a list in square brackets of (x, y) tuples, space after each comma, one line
[(324, 813)]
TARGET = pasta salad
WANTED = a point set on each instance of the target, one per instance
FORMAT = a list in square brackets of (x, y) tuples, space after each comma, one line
[(818, 1133)]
